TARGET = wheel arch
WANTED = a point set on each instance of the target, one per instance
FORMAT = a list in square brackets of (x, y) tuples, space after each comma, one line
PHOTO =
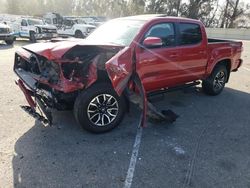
[(77, 30), (102, 77), (32, 31), (86, 94), (226, 62)]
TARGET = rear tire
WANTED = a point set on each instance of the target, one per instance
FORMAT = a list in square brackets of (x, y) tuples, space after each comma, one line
[(99, 109), (215, 83)]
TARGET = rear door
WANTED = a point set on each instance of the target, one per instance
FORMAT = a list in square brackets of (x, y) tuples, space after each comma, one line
[(158, 66), (192, 43)]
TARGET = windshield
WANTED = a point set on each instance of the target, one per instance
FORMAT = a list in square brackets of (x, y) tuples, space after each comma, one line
[(35, 22), (119, 31), (81, 21)]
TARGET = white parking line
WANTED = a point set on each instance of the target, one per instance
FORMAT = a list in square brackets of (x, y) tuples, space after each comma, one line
[(246, 68), (132, 164)]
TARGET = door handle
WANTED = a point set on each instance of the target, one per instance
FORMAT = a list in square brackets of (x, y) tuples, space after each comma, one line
[(202, 52), (173, 55)]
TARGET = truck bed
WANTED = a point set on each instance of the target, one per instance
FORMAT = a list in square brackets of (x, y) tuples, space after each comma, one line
[(225, 49), (214, 44), (214, 40)]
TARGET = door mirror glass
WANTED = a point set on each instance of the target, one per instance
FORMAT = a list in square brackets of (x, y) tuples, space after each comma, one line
[(152, 42)]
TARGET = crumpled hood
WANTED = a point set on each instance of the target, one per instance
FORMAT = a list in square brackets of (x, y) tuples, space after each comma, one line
[(56, 50)]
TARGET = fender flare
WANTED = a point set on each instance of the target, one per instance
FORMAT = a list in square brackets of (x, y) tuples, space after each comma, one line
[(212, 65)]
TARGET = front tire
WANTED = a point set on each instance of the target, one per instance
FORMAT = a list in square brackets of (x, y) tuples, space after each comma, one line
[(32, 37), (79, 34), (215, 83), (9, 42), (99, 109)]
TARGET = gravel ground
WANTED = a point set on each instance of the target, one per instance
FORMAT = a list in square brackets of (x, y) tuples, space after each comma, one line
[(208, 146)]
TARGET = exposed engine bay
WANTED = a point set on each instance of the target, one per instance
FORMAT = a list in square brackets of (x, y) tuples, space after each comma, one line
[(57, 82), (73, 67)]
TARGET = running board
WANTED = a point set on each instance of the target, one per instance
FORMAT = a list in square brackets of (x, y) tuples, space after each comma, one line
[(166, 90)]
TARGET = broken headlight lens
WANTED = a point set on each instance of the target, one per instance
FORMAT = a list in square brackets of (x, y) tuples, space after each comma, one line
[(50, 71)]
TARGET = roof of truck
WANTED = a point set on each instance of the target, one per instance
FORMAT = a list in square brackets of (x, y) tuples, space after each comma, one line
[(148, 17)]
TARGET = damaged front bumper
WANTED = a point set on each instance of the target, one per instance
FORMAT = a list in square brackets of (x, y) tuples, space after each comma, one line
[(41, 36), (52, 78), (35, 104)]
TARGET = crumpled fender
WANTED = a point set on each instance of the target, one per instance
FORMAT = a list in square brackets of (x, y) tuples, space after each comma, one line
[(92, 73), (120, 69)]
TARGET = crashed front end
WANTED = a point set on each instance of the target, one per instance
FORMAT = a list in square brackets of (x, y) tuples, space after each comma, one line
[(52, 78)]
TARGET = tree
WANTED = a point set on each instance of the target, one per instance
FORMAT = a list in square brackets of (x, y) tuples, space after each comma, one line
[(168, 7), (236, 12), (198, 9), (233, 10), (136, 7), (210, 12), (13, 6)]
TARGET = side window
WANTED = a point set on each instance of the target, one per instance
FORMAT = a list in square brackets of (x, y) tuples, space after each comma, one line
[(24, 23), (190, 34), (55, 21), (165, 31), (48, 21)]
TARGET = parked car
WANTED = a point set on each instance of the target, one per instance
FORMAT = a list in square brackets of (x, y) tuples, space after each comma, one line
[(141, 54), (92, 20), (6, 34), (72, 27), (34, 29), (69, 26)]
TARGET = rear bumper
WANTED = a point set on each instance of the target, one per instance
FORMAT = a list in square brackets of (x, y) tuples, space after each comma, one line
[(237, 65), (240, 63)]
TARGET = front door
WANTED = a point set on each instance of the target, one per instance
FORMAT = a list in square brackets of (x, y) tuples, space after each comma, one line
[(158, 67)]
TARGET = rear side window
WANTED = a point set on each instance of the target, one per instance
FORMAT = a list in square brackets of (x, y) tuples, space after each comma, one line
[(164, 31), (190, 34)]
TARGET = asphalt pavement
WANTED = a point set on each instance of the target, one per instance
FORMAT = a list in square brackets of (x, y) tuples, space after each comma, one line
[(208, 145)]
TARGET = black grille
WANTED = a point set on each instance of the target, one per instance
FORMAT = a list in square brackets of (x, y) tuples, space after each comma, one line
[(49, 30), (4, 30)]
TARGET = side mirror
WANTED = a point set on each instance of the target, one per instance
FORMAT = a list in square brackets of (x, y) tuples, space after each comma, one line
[(152, 42)]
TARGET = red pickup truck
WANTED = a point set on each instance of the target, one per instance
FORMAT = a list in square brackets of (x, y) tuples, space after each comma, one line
[(141, 55)]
